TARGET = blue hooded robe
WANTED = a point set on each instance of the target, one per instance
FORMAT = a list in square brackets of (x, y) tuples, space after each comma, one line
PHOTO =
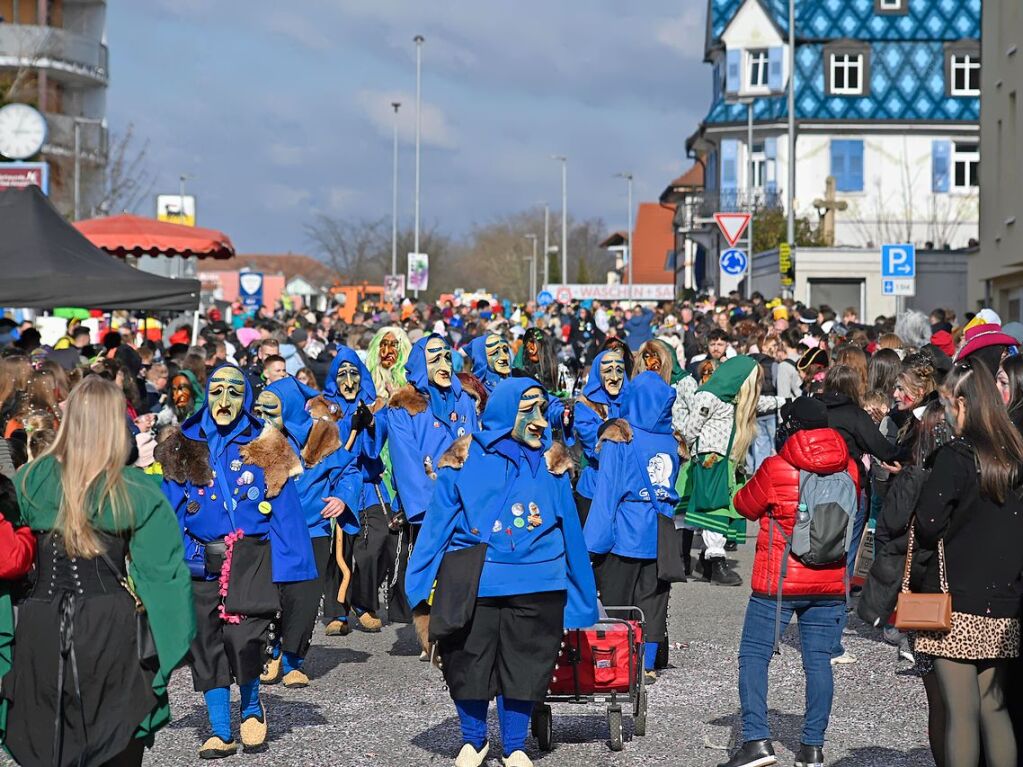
[(334, 475), (588, 422), (623, 516), (477, 351), (489, 499), (449, 414), (206, 513), (368, 446)]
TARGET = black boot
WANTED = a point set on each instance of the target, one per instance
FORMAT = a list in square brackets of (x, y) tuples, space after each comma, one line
[(731, 546), (721, 574), (687, 550), (810, 756), (754, 753), (704, 566)]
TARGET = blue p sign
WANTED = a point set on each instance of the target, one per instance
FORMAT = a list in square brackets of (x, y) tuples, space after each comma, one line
[(898, 261)]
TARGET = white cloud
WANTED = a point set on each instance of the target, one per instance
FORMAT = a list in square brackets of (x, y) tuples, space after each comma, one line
[(277, 196), (298, 28), (684, 34), (339, 199), (436, 131)]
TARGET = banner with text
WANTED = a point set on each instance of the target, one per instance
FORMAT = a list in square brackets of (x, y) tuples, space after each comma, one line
[(601, 292)]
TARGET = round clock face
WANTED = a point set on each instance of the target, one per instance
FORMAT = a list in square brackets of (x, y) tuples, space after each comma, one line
[(22, 131)]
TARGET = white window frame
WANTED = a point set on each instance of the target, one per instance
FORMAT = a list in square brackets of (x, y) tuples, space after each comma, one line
[(759, 163), (964, 64), (847, 62), (964, 155), (760, 57), (890, 5)]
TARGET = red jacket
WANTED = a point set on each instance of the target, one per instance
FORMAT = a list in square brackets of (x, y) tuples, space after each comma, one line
[(774, 489), (17, 550)]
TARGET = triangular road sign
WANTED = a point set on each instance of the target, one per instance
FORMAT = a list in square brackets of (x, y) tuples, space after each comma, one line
[(732, 225)]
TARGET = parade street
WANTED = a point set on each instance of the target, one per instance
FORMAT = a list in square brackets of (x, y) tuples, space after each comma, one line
[(372, 702)]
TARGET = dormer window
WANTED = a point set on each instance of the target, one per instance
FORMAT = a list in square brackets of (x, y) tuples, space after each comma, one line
[(757, 69), (962, 68), (891, 7), (847, 69)]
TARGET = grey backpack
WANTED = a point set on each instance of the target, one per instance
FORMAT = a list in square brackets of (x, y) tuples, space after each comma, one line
[(823, 532)]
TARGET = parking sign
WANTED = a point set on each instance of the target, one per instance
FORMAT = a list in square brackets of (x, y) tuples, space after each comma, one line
[(898, 262)]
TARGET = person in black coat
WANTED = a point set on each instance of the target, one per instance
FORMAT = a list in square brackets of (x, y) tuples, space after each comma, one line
[(862, 436)]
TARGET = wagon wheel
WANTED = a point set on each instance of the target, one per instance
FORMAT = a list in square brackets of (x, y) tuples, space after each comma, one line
[(543, 724), (639, 718), (614, 725)]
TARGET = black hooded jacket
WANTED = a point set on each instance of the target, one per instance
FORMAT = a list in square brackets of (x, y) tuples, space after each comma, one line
[(857, 428)]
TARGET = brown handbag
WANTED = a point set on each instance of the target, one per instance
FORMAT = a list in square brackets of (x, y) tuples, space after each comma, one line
[(924, 612)]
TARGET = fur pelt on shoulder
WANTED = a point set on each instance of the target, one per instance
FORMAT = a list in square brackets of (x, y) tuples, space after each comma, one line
[(184, 460), (615, 430), (409, 398), (324, 438), (454, 457), (596, 407), (271, 452), (559, 460)]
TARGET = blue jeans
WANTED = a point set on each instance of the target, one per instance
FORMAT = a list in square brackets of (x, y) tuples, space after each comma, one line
[(859, 525), (763, 442), (819, 624)]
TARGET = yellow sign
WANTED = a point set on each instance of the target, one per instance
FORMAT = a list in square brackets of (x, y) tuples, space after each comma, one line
[(785, 267), (176, 209)]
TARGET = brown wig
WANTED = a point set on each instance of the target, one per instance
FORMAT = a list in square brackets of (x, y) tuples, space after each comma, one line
[(996, 442), (842, 379), (853, 357)]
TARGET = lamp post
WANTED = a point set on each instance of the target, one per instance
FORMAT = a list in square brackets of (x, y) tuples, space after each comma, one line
[(396, 105), (546, 243), (564, 216), (532, 268), (790, 225), (628, 180), (749, 196), (418, 40)]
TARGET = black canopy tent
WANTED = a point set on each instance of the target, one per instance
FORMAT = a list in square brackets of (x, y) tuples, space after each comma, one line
[(45, 263)]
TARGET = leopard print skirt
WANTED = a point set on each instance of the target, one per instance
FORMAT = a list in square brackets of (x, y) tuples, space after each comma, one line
[(973, 637)]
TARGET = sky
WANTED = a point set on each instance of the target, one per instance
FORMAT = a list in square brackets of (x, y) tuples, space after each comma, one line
[(280, 111)]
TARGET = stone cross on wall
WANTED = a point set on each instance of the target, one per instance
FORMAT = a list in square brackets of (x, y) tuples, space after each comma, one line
[(826, 208)]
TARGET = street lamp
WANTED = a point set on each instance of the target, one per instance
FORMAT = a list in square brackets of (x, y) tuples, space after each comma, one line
[(396, 105), (628, 179), (564, 216), (532, 268), (418, 40)]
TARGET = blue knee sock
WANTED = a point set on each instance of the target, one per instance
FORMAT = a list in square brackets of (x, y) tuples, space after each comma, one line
[(250, 699), (649, 655), (472, 716), (275, 651), (292, 662), (514, 716), (218, 709)]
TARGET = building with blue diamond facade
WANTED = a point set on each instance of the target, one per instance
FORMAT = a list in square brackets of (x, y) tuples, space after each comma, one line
[(887, 103)]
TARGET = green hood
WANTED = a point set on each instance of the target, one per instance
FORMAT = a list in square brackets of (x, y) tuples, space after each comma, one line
[(729, 378)]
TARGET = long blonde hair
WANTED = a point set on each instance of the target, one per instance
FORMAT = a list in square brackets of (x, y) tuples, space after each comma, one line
[(91, 446), (746, 414)]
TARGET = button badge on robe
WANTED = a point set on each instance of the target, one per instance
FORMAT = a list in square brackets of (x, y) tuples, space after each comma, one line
[(192, 507), (497, 526), (236, 465), (253, 493), (453, 417), (519, 522), (535, 520), (518, 509), (265, 508), (245, 478)]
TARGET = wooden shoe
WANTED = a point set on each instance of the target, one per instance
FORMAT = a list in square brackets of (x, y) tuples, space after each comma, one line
[(295, 679), (470, 757), (369, 622), (338, 629), (517, 759), (271, 671), (254, 730), (215, 748)]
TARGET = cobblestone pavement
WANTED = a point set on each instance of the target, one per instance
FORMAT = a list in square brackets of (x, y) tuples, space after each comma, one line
[(372, 702)]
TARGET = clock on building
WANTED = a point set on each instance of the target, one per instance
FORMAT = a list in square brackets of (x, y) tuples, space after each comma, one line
[(22, 131)]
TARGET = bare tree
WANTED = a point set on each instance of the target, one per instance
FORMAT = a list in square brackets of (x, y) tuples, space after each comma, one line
[(354, 248), (127, 180)]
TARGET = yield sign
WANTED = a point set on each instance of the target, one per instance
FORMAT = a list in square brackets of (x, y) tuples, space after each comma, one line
[(732, 225)]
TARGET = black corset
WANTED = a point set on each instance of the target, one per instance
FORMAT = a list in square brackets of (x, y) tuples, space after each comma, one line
[(57, 573)]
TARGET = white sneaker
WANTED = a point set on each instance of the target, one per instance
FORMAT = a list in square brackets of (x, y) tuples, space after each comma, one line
[(517, 759), (843, 659), (470, 757)]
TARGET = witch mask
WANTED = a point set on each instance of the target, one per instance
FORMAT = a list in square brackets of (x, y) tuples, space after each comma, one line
[(531, 418), (268, 407), (438, 363), (227, 395), (612, 372), (498, 355), (182, 395), (348, 381)]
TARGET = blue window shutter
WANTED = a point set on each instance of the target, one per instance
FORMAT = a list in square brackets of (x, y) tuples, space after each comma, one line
[(771, 155), (840, 164), (733, 76), (774, 59), (855, 156), (729, 164), (712, 165), (941, 154)]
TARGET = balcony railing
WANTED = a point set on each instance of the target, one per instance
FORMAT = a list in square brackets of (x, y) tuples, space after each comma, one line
[(60, 138), (704, 204), (56, 50)]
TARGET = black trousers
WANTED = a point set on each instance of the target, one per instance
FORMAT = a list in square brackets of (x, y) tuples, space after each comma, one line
[(331, 577), (300, 604), (373, 551), (401, 544), (628, 581), (222, 652), (509, 648), (582, 505)]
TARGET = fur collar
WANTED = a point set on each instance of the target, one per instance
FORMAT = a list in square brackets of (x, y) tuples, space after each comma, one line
[(324, 438), (454, 457), (616, 430), (596, 407), (271, 452), (409, 398), (559, 460), (184, 460)]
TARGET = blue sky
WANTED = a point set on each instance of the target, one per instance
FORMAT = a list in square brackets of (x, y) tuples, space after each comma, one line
[(281, 110)]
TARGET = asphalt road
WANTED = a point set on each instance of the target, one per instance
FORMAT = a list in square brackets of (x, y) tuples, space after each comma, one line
[(372, 702)]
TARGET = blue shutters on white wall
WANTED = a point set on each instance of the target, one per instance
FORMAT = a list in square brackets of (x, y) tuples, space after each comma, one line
[(774, 59), (729, 173), (941, 156), (847, 164), (733, 78), (770, 166)]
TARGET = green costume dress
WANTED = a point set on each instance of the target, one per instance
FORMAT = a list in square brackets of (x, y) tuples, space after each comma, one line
[(121, 699)]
